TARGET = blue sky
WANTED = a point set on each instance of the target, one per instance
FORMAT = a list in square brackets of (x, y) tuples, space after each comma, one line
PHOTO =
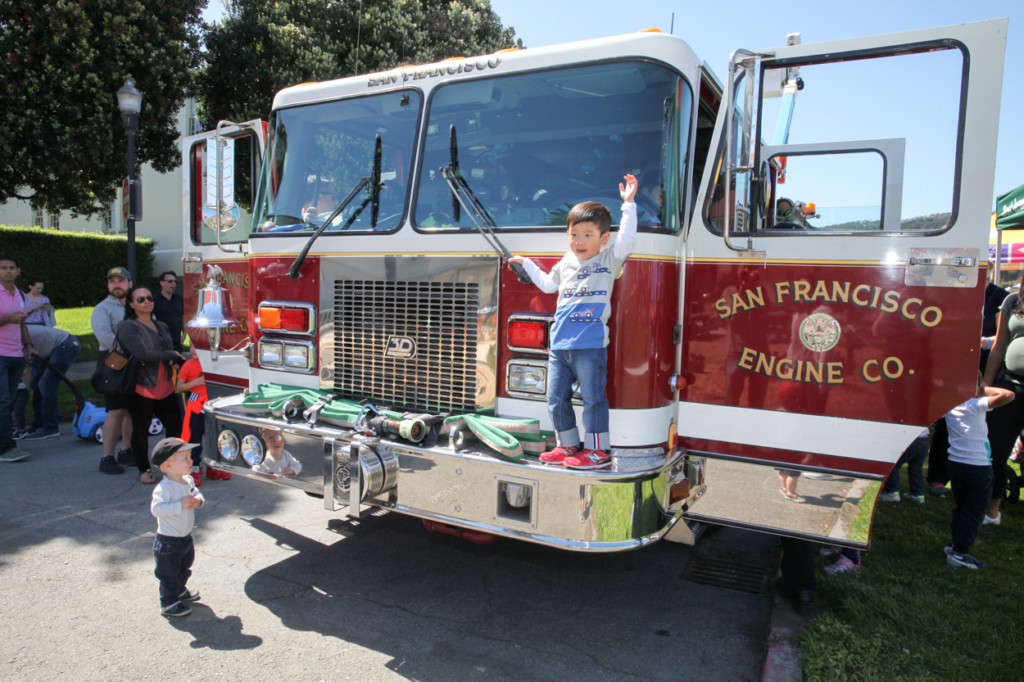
[(715, 28)]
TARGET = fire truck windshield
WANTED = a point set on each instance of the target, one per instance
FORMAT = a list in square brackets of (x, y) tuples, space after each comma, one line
[(532, 145), (318, 152)]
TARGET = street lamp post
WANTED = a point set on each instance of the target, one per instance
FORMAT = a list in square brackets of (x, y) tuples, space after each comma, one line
[(129, 101)]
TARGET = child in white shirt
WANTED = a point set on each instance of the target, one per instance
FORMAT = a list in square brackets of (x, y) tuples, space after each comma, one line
[(970, 470), (277, 461), (174, 500)]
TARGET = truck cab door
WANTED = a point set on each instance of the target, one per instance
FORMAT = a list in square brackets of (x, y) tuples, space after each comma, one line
[(221, 169), (834, 277)]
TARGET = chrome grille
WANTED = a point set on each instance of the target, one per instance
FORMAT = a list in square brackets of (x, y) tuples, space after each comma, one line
[(440, 317)]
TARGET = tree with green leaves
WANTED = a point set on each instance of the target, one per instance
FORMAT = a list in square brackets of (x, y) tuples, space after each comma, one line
[(263, 46), (62, 144)]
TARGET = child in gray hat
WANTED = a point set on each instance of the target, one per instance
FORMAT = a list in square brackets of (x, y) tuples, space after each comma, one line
[(174, 500)]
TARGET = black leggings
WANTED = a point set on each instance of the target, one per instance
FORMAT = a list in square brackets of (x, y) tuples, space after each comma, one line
[(1004, 425), (141, 409)]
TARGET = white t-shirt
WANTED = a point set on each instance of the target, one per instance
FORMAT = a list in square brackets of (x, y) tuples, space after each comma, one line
[(171, 518), (271, 465), (968, 433), (585, 289)]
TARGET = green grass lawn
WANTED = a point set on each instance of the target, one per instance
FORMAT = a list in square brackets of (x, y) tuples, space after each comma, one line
[(909, 616), (76, 321)]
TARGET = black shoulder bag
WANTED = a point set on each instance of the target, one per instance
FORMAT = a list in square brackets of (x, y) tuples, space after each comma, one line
[(115, 374)]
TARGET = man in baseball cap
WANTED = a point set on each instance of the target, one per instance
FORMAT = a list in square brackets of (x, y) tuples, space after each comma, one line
[(106, 316), (119, 272)]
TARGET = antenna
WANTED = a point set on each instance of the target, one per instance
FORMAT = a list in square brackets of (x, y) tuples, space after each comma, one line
[(359, 27), (672, 26)]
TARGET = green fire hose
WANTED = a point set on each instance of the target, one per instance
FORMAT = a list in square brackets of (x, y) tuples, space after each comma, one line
[(509, 438)]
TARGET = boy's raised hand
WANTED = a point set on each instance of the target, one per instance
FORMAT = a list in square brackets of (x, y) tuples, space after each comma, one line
[(628, 191)]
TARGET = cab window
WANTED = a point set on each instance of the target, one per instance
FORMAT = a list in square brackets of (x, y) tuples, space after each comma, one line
[(870, 144)]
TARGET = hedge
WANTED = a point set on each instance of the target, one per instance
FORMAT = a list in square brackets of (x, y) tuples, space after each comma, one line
[(72, 264)]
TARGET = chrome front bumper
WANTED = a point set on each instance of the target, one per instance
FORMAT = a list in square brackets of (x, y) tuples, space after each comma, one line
[(634, 503)]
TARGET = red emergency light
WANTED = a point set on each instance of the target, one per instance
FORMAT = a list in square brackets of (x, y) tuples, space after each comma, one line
[(528, 334)]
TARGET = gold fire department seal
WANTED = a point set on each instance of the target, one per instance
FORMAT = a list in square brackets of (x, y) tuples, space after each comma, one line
[(819, 332)]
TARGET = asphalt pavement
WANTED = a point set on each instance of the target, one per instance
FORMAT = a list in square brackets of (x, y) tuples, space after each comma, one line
[(292, 591)]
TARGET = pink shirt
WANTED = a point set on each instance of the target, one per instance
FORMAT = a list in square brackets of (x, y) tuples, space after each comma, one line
[(10, 333)]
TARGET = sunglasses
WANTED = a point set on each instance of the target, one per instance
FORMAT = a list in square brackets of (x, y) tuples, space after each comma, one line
[(143, 299)]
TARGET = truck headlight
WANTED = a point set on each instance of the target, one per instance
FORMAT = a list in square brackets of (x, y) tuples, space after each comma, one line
[(296, 357), (252, 449), (228, 445), (528, 378), (271, 353), (290, 355)]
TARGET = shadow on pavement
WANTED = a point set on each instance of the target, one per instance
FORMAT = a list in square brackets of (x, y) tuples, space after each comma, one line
[(210, 632), (443, 608), (59, 493)]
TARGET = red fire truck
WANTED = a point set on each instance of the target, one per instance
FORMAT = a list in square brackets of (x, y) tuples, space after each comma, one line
[(346, 265)]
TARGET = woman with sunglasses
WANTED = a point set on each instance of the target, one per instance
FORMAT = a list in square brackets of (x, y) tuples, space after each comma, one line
[(149, 342)]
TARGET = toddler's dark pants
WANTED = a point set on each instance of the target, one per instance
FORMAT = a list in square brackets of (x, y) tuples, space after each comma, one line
[(972, 488), (174, 557)]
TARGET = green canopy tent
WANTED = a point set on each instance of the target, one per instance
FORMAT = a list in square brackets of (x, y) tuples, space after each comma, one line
[(1010, 209), (1009, 215)]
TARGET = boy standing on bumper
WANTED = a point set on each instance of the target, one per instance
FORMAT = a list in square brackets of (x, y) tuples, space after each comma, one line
[(579, 337), (174, 500), (970, 470)]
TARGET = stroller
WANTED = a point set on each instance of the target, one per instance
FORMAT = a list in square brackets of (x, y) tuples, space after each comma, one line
[(89, 418)]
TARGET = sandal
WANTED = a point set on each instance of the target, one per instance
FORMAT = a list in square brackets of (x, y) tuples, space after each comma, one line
[(146, 478), (791, 498)]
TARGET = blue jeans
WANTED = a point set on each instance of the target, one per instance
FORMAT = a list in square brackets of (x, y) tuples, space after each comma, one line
[(46, 384), (174, 557), (913, 457), (10, 374), (588, 368), (20, 403)]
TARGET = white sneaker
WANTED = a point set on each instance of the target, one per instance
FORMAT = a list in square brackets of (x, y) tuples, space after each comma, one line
[(992, 520), (889, 497)]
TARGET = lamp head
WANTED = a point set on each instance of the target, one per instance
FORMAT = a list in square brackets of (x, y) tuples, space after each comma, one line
[(129, 101)]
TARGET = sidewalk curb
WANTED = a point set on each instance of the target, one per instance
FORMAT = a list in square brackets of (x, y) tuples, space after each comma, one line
[(783, 661)]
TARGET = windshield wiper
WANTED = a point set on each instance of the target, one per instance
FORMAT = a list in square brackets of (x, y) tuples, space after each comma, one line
[(373, 182), (463, 196)]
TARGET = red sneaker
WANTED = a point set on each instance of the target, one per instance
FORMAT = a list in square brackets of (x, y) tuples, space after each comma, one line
[(558, 455), (197, 476), (589, 459)]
